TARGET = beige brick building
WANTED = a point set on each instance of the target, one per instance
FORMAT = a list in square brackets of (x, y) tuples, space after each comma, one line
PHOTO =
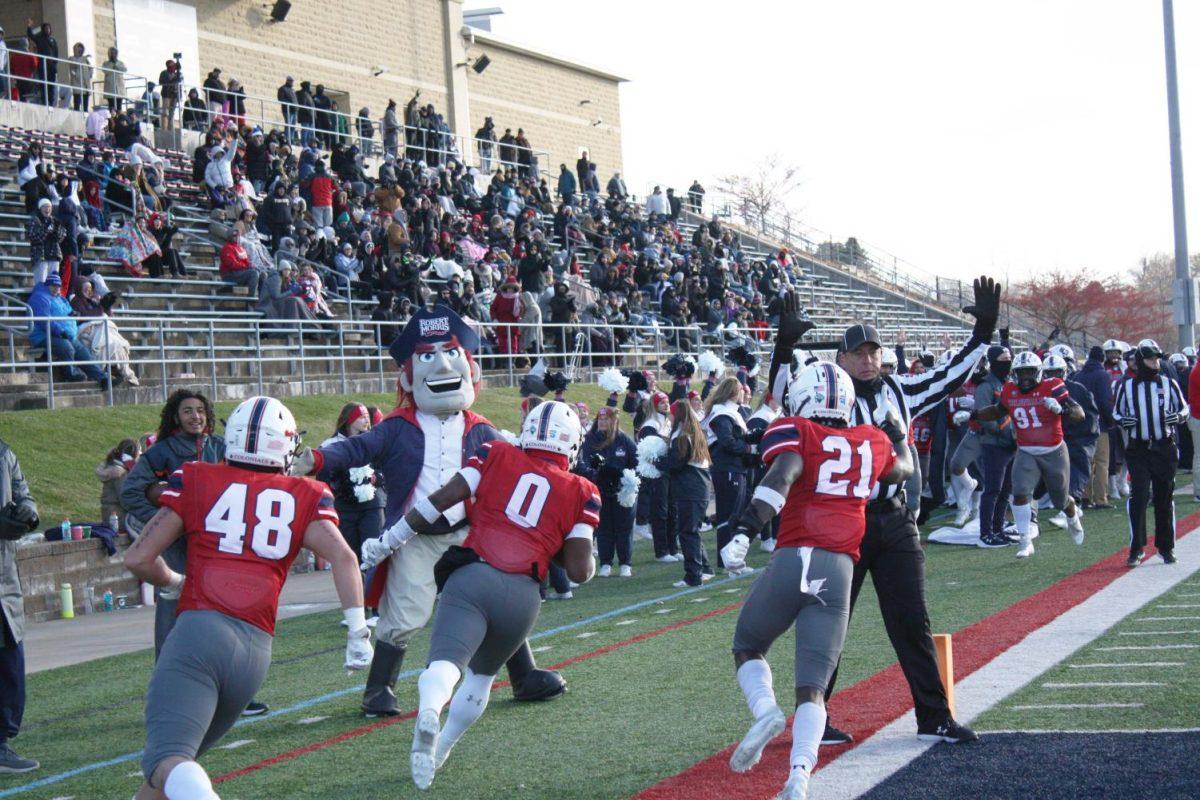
[(364, 52)]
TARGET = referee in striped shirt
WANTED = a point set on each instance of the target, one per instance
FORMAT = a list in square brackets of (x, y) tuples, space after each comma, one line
[(1148, 405), (891, 548)]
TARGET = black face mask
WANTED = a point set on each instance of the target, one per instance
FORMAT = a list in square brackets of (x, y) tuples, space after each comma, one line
[(867, 388), (1000, 369), (1145, 372)]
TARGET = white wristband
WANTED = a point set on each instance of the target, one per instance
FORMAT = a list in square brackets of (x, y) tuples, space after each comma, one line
[(771, 497), (398, 534), (427, 510), (175, 582), (356, 618)]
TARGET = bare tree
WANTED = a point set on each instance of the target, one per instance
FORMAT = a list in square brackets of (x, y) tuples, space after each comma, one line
[(764, 191)]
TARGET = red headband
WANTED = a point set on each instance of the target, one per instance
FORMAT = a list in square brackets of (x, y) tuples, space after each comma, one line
[(658, 397), (359, 411)]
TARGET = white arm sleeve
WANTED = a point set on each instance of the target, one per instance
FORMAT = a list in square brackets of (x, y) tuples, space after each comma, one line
[(472, 477), (581, 531)]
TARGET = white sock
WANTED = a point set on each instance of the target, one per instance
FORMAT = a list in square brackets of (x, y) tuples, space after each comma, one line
[(468, 705), (436, 684), (1022, 515), (807, 728), (755, 679), (962, 488), (188, 781)]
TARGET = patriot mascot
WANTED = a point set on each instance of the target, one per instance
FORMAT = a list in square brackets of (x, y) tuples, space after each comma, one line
[(418, 448)]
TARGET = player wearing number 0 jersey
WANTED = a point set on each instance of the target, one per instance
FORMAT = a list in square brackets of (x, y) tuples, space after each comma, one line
[(820, 474), (245, 522), (1036, 407), (528, 510)]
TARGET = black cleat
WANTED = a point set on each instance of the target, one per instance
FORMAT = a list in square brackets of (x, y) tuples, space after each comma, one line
[(834, 736), (949, 731), (1168, 556), (538, 685), (255, 709), (11, 763), (1135, 558), (995, 540)]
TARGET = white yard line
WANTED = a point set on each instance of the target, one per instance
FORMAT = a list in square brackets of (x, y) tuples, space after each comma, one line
[(1166, 619), (1129, 664), (859, 770), (1069, 706), (1158, 633), (1102, 685), (1149, 647), (1097, 733)]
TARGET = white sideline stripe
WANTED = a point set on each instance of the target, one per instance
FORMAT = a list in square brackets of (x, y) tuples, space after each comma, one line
[(587, 634), (1150, 647), (541, 649), (311, 720), (664, 611), (1101, 685), (1178, 605), (859, 770), (627, 621), (1097, 733), (1129, 664), (237, 744), (1157, 633), (1068, 706), (1165, 619)]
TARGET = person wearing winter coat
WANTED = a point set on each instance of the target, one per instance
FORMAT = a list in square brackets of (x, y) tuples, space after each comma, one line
[(603, 459), (112, 472), (725, 432), (45, 236), (59, 336), (80, 78), (114, 80), (654, 508), (687, 470)]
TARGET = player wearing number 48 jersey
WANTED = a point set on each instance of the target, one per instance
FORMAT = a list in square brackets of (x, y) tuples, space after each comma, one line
[(1037, 407), (529, 510), (245, 522), (820, 474)]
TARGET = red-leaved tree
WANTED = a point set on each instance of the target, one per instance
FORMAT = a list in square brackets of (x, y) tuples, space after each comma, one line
[(1078, 303)]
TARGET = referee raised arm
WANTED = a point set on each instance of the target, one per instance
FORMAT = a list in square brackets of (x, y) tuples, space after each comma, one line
[(891, 549), (1148, 405)]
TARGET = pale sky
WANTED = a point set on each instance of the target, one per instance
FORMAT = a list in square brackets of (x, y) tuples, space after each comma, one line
[(959, 136)]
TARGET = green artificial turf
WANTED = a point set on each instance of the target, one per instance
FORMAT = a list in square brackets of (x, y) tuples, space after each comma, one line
[(634, 716)]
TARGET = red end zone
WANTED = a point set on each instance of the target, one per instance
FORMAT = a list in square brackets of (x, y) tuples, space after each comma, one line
[(872, 703)]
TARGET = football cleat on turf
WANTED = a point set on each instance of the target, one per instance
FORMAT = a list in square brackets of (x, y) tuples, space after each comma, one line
[(1059, 520), (834, 736), (540, 684), (994, 540), (424, 745), (964, 498), (796, 787), (255, 709), (1075, 526), (1168, 556), (767, 545), (1135, 558), (1025, 547), (764, 729), (949, 731)]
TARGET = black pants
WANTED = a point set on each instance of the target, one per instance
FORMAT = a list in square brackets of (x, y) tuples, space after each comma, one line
[(1152, 465), (615, 532), (658, 512), (730, 490), (12, 685), (690, 491), (891, 552)]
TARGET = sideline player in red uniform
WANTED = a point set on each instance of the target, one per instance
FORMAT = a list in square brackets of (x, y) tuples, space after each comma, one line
[(245, 521), (820, 474), (529, 510), (1037, 408)]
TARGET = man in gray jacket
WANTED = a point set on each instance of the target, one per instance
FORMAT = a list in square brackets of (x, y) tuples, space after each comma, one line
[(999, 446), (18, 516)]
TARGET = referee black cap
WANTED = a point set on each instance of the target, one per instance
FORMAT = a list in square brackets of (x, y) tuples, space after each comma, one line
[(1148, 348), (858, 335)]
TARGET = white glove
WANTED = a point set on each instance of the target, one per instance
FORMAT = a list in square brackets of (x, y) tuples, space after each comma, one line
[(962, 417), (173, 589), (358, 649), (374, 553), (967, 401), (303, 462), (1052, 405), (734, 553)]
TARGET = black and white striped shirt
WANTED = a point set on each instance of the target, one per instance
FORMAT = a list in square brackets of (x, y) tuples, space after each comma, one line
[(913, 395), (1148, 401)]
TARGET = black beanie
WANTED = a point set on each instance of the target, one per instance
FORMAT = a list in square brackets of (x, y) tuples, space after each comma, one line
[(1096, 354)]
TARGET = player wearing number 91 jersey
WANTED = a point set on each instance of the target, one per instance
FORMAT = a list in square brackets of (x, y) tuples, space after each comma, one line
[(245, 521)]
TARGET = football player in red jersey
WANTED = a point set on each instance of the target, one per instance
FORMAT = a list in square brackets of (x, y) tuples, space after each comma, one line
[(1037, 408), (819, 477), (528, 510), (245, 521)]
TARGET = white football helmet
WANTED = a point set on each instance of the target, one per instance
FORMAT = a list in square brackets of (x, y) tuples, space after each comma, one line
[(1190, 352), (1112, 344), (946, 356), (1148, 348), (552, 426), (821, 390), (261, 431), (1179, 360), (1027, 360), (1054, 363), (1063, 351), (889, 357)]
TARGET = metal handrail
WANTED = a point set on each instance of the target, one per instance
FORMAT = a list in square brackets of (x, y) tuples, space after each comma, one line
[(138, 81)]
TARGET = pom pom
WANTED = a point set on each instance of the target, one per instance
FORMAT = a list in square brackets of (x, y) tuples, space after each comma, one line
[(557, 381), (627, 493), (611, 380), (364, 492), (650, 450), (637, 382), (710, 362), (361, 474)]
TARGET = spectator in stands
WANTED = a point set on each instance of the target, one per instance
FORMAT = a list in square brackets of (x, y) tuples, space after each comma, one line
[(321, 189), (525, 159), (235, 101), (169, 82), (47, 47), (235, 265), (45, 235), (114, 80), (366, 132), (674, 205), (566, 184), (508, 149), (656, 206), (313, 292), (29, 166), (218, 175), (58, 337), (323, 105), (96, 124), (112, 472), (391, 130), (277, 299), (348, 265), (582, 168), (18, 516), (305, 113), (214, 93), (616, 187), (22, 65), (286, 95), (163, 229), (98, 332), (277, 214), (485, 140), (80, 78), (5, 91), (195, 113), (124, 130), (149, 105), (696, 197)]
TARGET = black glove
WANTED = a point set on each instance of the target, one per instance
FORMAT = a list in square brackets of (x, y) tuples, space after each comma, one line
[(27, 513), (16, 521), (793, 324), (985, 309), (1054, 333), (753, 436), (893, 427), (596, 461)]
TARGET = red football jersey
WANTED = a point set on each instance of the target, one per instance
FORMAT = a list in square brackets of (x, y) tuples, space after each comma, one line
[(922, 434), (244, 529), (1035, 426), (525, 505), (826, 506)]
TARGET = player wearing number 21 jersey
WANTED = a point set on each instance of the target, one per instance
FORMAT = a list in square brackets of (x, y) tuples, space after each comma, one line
[(245, 521), (820, 474), (528, 510)]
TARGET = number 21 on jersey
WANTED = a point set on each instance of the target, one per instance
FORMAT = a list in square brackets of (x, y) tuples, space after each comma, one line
[(836, 473), (274, 511)]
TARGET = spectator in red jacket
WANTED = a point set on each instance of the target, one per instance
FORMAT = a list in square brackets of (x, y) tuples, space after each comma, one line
[(236, 268), (506, 308), (321, 187)]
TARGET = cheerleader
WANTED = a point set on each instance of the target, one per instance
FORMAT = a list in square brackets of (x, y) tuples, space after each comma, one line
[(607, 458), (687, 469), (725, 431), (653, 501)]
